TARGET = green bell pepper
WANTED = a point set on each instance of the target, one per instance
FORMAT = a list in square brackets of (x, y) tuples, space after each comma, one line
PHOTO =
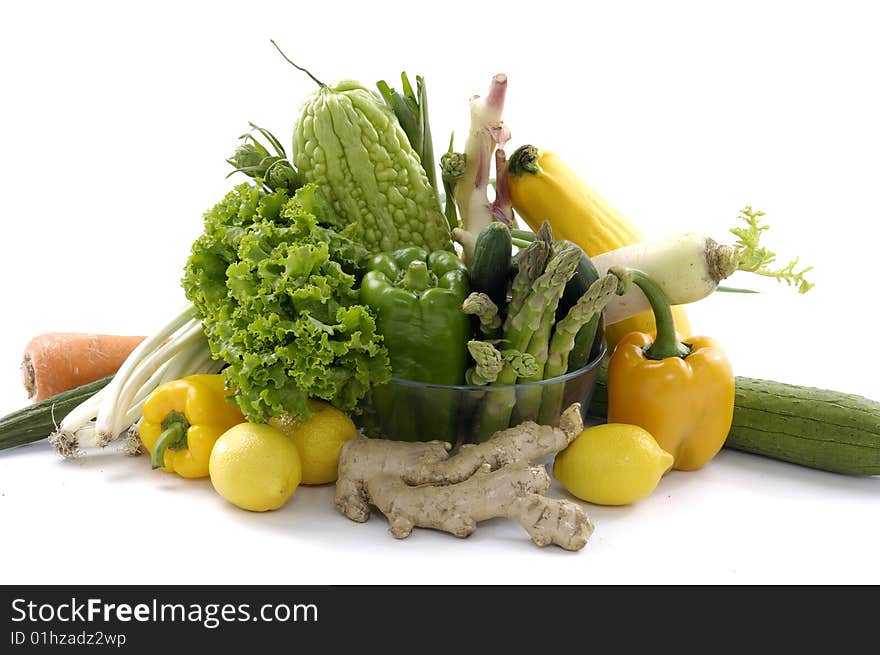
[(417, 297)]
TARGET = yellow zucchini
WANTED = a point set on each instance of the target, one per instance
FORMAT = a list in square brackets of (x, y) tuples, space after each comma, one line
[(543, 187)]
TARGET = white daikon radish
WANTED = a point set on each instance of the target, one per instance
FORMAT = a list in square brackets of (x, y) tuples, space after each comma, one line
[(689, 267)]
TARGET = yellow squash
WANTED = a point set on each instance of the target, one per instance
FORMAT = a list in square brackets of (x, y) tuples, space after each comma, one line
[(543, 187)]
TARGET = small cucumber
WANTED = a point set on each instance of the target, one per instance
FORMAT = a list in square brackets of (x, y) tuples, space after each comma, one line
[(490, 266), (40, 419), (821, 429)]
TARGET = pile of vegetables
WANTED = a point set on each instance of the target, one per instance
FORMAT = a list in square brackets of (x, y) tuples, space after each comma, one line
[(349, 279)]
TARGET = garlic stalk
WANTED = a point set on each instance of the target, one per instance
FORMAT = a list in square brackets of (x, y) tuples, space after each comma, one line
[(471, 190)]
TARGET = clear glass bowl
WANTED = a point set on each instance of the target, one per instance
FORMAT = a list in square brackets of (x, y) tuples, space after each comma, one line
[(405, 410)]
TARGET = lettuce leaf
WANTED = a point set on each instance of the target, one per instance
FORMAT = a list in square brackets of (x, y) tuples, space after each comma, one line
[(274, 285)]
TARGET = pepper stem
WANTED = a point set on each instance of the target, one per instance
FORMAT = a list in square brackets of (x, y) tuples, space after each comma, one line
[(174, 430), (417, 277), (666, 344)]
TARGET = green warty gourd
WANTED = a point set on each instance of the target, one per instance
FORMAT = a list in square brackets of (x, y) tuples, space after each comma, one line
[(351, 145)]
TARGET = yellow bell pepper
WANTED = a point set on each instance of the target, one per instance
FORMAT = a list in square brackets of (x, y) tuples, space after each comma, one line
[(682, 393), (182, 421)]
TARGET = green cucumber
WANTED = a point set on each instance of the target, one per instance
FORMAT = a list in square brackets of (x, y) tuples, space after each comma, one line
[(821, 429), (41, 419), (490, 265)]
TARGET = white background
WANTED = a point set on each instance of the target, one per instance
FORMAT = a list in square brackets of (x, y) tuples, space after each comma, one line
[(116, 120)]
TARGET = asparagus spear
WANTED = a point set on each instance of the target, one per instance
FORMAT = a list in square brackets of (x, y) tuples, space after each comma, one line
[(488, 363), (542, 298), (529, 401), (530, 397), (581, 313), (520, 364), (545, 293), (481, 306), (532, 263), (500, 367), (501, 396), (545, 233)]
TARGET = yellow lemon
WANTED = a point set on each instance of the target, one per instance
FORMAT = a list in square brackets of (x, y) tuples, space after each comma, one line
[(255, 467), (318, 440), (612, 464)]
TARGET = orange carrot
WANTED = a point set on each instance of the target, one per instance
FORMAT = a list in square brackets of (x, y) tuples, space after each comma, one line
[(59, 361)]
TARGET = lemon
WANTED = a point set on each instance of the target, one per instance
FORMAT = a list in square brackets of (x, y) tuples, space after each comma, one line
[(255, 467), (612, 464), (318, 440)]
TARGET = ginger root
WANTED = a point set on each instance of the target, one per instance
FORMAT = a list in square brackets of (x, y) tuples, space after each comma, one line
[(361, 459), (420, 484), (514, 491)]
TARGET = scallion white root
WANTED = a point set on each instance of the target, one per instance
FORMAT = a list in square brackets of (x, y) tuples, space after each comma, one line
[(133, 444), (111, 413), (177, 350)]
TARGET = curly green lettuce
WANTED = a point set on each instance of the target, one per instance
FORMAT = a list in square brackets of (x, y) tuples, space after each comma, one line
[(275, 289)]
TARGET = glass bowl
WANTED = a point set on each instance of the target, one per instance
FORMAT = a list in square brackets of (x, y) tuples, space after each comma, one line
[(405, 410)]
